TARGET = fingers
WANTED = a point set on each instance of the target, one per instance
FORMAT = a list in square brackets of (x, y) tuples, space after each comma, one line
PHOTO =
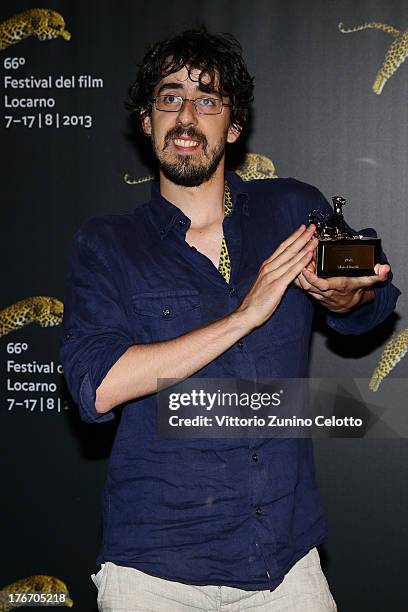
[(303, 282), (382, 271), (294, 242), (291, 270), (281, 265), (292, 253), (270, 285), (322, 284), (293, 236), (343, 283)]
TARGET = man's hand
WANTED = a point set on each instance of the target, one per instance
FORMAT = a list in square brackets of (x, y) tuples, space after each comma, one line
[(341, 294), (275, 274)]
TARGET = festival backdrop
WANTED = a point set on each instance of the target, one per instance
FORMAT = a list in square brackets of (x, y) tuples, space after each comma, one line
[(330, 109)]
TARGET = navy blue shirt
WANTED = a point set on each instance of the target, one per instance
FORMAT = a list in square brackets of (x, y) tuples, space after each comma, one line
[(235, 512)]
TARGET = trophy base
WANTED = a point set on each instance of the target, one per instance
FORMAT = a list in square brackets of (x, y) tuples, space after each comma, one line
[(347, 257)]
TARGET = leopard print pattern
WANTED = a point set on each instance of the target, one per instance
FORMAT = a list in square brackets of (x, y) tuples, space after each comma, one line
[(254, 166), (395, 55), (45, 311), (33, 584), (393, 352), (42, 23), (224, 266)]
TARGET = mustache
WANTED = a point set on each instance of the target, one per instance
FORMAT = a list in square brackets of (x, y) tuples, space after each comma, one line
[(190, 132)]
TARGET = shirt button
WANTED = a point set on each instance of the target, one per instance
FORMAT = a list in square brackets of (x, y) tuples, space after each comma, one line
[(240, 344), (68, 336), (182, 221), (232, 290), (259, 511), (166, 312), (162, 232), (254, 457)]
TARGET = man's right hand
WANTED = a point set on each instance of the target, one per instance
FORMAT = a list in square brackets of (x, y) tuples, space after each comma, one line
[(275, 274)]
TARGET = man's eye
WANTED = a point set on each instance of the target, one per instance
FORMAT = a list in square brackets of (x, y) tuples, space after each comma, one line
[(170, 100), (207, 101)]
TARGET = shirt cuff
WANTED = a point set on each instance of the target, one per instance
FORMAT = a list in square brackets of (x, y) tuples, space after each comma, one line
[(89, 385), (364, 318)]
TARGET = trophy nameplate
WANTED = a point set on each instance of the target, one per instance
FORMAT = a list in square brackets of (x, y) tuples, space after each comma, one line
[(340, 251)]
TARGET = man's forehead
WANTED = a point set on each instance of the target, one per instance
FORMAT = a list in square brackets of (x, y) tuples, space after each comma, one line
[(187, 75)]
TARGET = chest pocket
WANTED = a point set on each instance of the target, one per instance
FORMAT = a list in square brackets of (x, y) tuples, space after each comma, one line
[(166, 314)]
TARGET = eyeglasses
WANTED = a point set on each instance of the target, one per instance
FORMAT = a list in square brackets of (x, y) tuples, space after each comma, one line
[(203, 106)]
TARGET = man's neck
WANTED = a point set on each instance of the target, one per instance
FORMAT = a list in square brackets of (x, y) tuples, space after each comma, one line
[(204, 204)]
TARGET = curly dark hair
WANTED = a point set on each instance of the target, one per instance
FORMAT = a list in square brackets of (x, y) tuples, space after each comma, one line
[(214, 54)]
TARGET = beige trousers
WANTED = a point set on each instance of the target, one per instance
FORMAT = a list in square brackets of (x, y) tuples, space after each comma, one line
[(304, 589)]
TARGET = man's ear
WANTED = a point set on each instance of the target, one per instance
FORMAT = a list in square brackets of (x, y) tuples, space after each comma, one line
[(146, 122), (233, 133)]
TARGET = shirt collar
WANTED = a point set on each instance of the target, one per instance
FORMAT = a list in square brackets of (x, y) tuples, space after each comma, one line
[(166, 215)]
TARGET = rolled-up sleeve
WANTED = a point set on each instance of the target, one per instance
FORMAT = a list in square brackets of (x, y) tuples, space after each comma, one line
[(95, 330)]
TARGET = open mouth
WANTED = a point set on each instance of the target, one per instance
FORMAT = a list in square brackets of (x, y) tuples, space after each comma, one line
[(185, 145)]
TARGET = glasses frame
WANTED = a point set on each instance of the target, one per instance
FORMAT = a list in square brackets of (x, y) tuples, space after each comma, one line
[(183, 100)]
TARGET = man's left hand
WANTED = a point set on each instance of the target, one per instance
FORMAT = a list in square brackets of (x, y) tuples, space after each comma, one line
[(341, 293)]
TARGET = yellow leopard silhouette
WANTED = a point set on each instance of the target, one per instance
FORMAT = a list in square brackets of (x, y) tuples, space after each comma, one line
[(254, 166), (42, 23), (44, 310), (396, 54), (33, 584), (395, 349)]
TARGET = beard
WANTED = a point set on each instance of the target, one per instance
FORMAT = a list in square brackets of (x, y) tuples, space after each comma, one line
[(184, 170)]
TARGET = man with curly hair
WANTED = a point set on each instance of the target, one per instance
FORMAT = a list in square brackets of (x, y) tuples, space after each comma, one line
[(213, 277)]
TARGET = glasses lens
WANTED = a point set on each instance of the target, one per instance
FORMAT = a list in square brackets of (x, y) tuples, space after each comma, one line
[(208, 106), (168, 103)]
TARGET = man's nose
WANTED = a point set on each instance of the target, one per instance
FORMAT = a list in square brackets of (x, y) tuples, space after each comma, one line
[(187, 114)]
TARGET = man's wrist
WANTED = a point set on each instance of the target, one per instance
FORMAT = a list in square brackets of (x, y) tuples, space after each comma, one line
[(239, 320), (368, 295)]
